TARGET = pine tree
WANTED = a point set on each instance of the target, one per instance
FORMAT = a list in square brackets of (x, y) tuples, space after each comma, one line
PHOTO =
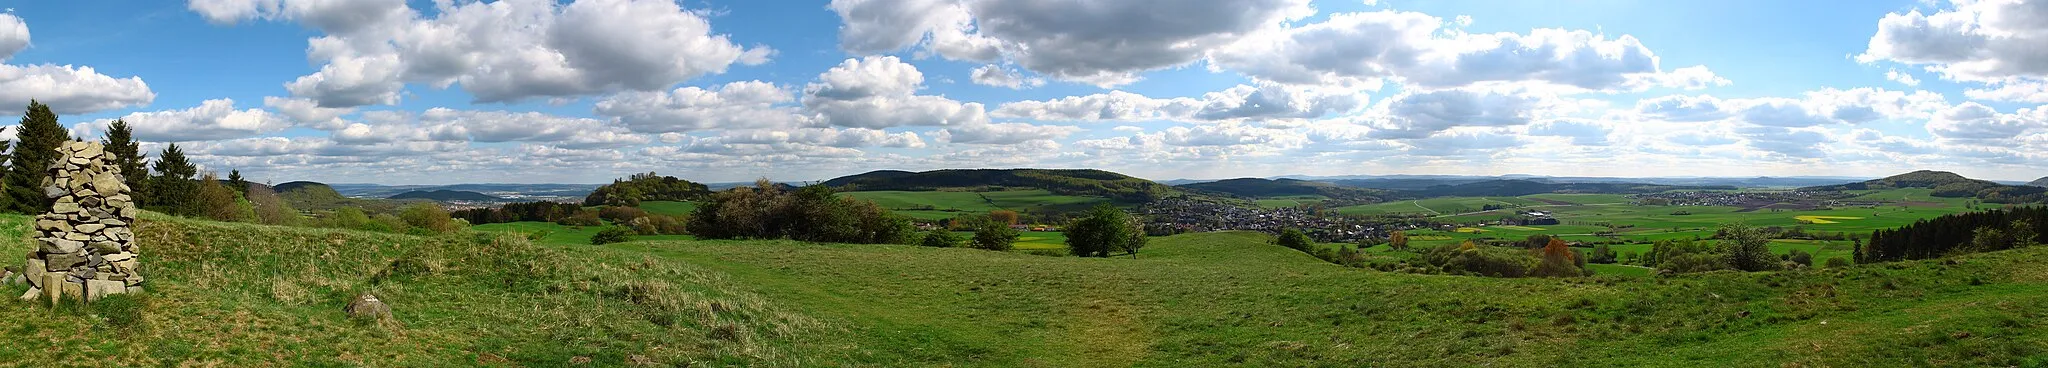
[(6, 154), (172, 187), (128, 156), (235, 182), (35, 149)]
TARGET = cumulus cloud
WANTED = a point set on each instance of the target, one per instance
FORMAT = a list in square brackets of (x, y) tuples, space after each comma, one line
[(211, 120), (1100, 43), (497, 51), (736, 105), (1420, 115), (1581, 131), (881, 92), (1362, 49), (1002, 133), (1993, 42), (1241, 102), (67, 89), (1974, 122), (996, 75)]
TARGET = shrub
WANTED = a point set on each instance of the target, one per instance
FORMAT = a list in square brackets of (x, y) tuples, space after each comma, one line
[(939, 238), (1481, 261), (994, 235), (582, 218), (1106, 229), (1838, 262), (1602, 254), (610, 235), (620, 215), (428, 216), (1295, 239), (1800, 257), (812, 213), (1747, 248), (346, 218)]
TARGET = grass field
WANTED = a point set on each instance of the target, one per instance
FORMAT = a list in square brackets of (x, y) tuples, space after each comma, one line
[(935, 205), (249, 295), (1436, 206), (563, 235), (1289, 201), (670, 208)]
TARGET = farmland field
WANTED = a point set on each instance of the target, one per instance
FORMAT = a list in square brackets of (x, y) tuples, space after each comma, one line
[(1289, 201)]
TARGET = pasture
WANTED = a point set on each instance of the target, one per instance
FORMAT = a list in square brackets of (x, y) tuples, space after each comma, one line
[(670, 208), (556, 234)]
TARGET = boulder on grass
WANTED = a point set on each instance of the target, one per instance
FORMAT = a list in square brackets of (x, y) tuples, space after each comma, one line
[(367, 307)]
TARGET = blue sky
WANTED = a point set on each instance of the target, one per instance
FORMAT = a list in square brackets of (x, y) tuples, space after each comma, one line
[(420, 92)]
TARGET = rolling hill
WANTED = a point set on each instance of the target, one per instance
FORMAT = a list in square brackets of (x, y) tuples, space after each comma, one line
[(1081, 182), (2042, 182), (1259, 188), (1204, 299), (446, 195), (1948, 185)]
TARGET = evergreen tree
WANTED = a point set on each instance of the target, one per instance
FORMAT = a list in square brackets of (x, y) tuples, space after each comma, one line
[(35, 149), (5, 155), (173, 189), (128, 156), (236, 182)]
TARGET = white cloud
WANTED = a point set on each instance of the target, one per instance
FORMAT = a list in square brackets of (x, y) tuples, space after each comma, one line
[(1362, 49), (13, 35), (1241, 102), (1993, 42), (67, 89), (1973, 122), (1002, 133), (307, 113), (880, 92), (1903, 78), (211, 120), (996, 75), (736, 105), (1420, 115), (2030, 91), (498, 51), (1101, 43), (1582, 132)]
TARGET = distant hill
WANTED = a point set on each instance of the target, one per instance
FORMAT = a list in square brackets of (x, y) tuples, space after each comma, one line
[(1948, 185), (1509, 188), (2042, 182), (304, 185), (446, 195), (1256, 187), (1082, 182)]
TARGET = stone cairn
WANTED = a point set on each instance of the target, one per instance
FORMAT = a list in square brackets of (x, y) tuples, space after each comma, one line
[(86, 249)]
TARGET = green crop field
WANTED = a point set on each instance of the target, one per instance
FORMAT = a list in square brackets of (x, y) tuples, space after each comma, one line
[(226, 294), (1289, 201), (1437, 206), (671, 208), (935, 205)]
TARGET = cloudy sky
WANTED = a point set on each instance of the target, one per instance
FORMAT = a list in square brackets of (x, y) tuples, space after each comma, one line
[(533, 91)]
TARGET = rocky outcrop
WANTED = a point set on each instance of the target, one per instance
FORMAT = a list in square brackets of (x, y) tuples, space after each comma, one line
[(86, 249)]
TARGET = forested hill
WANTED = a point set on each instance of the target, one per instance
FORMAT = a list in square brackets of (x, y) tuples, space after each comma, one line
[(304, 185), (1082, 182), (446, 195), (2042, 182), (1526, 187), (1949, 185), (1256, 187)]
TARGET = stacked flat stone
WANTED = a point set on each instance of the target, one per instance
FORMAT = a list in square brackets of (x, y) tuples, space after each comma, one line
[(86, 249)]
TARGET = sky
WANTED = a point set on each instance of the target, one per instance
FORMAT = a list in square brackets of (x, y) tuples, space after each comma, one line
[(583, 91)]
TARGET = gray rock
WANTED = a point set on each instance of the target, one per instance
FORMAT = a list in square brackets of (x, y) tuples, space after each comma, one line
[(96, 289), (88, 228), (61, 246), (32, 293), (66, 208), (368, 307)]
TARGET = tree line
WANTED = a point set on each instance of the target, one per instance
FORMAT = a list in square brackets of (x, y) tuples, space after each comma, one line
[(637, 188), (1985, 231)]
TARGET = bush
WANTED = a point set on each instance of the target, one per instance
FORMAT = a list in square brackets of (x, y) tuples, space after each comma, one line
[(994, 235), (428, 216), (581, 218), (812, 213), (1838, 262), (1800, 257), (610, 235), (1747, 248), (939, 238), (346, 218), (1295, 239), (1603, 255), (1105, 230), (1481, 261)]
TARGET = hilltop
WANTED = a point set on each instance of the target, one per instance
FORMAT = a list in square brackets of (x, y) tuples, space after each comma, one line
[(307, 186), (1083, 182), (446, 195), (1256, 187), (1948, 185), (2042, 182)]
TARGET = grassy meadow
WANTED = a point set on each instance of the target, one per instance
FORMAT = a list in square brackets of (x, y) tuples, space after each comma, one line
[(552, 233), (249, 295)]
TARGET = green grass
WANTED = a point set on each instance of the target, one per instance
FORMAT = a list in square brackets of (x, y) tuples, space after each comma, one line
[(1289, 201), (562, 235), (250, 295), (670, 208)]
